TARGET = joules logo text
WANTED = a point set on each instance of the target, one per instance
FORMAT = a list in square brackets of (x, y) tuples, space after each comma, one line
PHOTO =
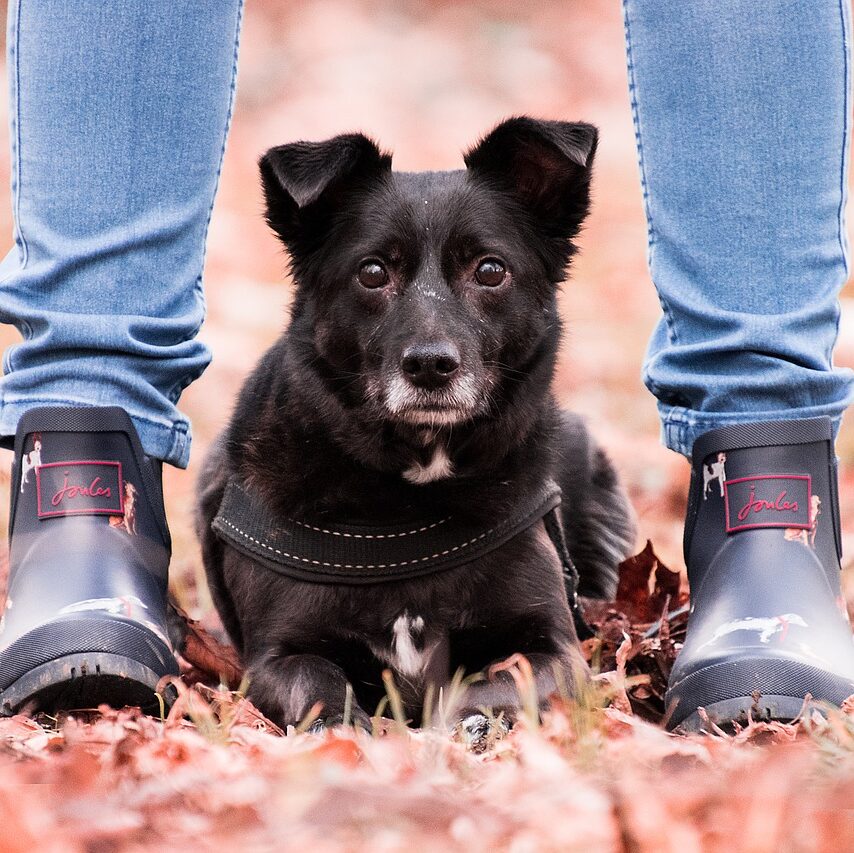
[(93, 490), (755, 504)]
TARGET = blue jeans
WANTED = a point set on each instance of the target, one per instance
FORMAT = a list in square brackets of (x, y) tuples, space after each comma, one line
[(742, 121), (119, 117), (119, 114)]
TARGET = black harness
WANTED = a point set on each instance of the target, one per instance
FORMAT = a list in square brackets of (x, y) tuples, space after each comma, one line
[(355, 554)]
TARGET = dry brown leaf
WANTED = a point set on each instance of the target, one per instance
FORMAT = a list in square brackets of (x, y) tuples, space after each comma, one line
[(216, 660), (634, 596)]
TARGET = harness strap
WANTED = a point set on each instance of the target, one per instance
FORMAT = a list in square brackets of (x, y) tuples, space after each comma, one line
[(554, 527), (322, 552)]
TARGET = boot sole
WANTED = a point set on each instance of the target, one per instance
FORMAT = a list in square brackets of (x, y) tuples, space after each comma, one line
[(60, 664), (758, 688), (741, 711), (86, 680)]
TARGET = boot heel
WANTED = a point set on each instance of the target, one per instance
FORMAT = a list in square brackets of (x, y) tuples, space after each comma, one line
[(757, 688), (87, 680), (742, 710)]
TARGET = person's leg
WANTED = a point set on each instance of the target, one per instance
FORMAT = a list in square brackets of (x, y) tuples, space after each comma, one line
[(742, 119), (119, 115), (742, 110)]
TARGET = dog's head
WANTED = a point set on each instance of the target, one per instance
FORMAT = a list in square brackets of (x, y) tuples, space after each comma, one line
[(428, 299)]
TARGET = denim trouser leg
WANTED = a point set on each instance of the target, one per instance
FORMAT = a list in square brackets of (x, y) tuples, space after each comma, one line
[(119, 114), (742, 120)]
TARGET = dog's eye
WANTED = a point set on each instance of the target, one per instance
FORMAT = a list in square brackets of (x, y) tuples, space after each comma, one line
[(373, 274), (490, 273)]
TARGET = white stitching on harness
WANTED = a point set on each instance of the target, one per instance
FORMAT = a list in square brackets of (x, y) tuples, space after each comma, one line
[(245, 535), (371, 535)]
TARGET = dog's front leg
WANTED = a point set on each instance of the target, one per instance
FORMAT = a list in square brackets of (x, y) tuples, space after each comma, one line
[(286, 687)]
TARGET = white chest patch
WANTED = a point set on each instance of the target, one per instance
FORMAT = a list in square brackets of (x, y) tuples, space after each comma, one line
[(438, 468), (406, 657)]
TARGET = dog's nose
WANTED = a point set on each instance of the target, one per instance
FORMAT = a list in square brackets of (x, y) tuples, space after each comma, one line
[(430, 365)]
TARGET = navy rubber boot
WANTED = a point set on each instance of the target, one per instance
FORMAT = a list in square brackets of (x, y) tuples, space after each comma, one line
[(85, 615), (768, 623)]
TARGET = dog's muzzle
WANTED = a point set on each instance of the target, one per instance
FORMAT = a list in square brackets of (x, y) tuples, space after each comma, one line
[(456, 400)]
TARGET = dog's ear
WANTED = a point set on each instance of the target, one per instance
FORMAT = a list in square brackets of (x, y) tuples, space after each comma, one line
[(547, 164), (300, 178)]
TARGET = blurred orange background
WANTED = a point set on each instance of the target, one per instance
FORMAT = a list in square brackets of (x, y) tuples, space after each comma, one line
[(426, 79)]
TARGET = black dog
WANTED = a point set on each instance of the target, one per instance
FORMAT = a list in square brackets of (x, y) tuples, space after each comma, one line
[(381, 498)]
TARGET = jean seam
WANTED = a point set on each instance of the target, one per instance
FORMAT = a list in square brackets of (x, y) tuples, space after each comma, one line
[(231, 97), (678, 433), (679, 424), (166, 441), (843, 168), (179, 426), (843, 186), (650, 227), (682, 416), (16, 136)]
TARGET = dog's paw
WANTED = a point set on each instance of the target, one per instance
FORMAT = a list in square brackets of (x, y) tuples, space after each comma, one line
[(358, 721), (480, 732)]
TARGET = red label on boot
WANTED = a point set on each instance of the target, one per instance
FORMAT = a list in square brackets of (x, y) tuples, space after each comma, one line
[(768, 500), (79, 488)]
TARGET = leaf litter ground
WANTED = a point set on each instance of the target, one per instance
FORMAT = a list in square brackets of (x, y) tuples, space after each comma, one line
[(597, 772)]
